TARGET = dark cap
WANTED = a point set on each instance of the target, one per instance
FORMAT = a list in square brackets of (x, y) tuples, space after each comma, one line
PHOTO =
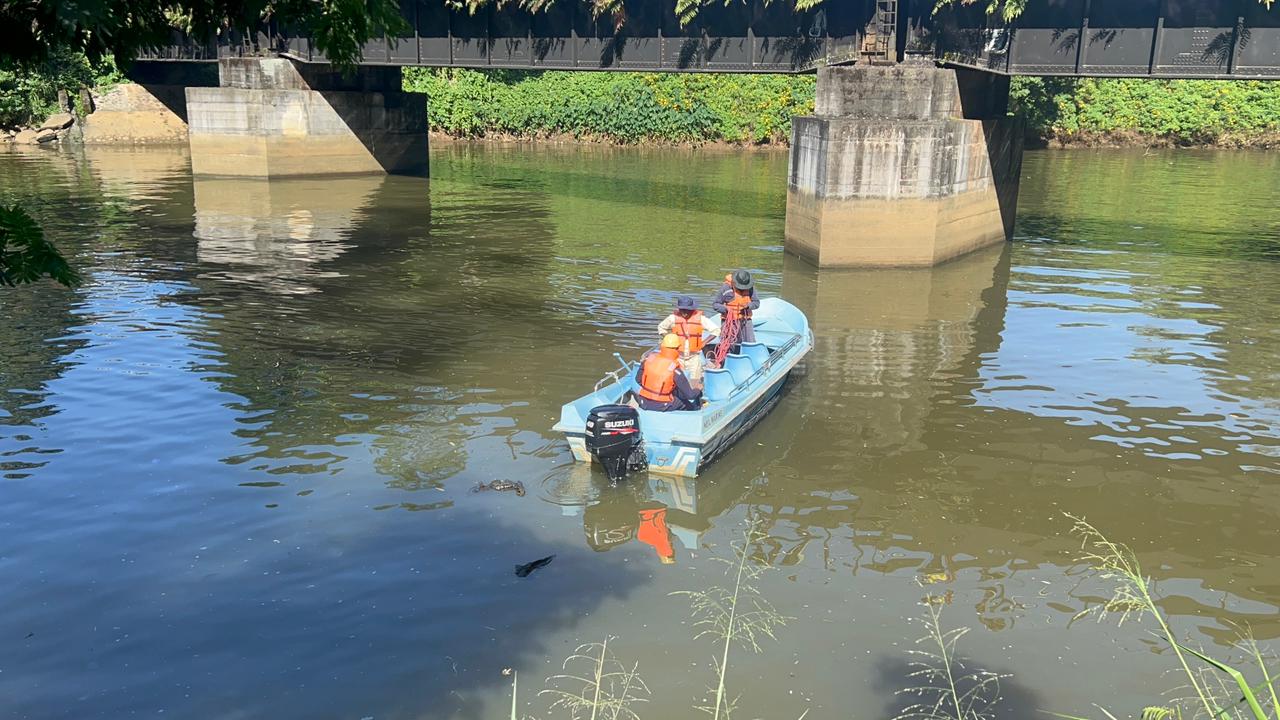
[(742, 280), (684, 302)]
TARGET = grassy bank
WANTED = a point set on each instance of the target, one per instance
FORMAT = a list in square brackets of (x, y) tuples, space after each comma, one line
[(757, 109)]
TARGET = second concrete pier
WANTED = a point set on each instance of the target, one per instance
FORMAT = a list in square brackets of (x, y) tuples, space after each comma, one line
[(902, 166)]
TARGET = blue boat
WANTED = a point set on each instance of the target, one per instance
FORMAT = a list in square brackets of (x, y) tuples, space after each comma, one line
[(739, 394)]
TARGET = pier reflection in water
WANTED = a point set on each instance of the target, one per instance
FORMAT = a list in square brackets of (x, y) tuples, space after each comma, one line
[(252, 363), (278, 236)]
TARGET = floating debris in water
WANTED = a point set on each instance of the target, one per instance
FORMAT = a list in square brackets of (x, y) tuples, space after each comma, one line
[(501, 486), (524, 570)]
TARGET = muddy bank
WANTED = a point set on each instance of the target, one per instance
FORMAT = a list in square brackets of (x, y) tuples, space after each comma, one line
[(1117, 140), (1129, 139), (566, 139)]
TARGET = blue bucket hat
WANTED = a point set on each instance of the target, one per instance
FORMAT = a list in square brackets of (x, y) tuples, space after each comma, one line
[(684, 302)]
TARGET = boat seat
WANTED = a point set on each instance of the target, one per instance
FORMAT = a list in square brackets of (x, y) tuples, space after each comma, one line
[(739, 366), (717, 384), (758, 353)]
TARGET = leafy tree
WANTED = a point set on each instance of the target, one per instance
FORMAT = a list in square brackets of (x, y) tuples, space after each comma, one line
[(120, 28), (25, 254)]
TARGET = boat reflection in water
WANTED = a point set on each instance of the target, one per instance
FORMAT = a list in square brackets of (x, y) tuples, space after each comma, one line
[(669, 514)]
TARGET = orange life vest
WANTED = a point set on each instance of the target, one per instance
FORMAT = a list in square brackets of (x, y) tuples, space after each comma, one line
[(740, 305), (690, 331), (658, 378)]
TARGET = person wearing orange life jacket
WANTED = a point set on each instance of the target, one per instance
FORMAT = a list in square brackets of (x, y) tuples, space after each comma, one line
[(736, 299), (686, 322), (663, 386)]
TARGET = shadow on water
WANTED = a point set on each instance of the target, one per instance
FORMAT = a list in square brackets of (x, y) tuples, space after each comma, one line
[(41, 336), (1015, 700), (403, 623)]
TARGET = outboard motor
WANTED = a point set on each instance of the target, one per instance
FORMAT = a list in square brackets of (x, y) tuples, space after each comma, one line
[(613, 438)]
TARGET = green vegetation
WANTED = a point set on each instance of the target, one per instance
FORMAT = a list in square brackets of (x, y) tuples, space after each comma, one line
[(619, 107), (593, 684), (756, 109), (1006, 9), (119, 29), (1180, 112), (734, 616), (25, 254), (29, 91), (944, 689), (1134, 594)]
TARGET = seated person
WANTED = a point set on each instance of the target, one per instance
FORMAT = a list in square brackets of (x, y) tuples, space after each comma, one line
[(663, 385)]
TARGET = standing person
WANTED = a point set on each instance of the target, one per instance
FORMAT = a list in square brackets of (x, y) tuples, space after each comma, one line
[(686, 323), (735, 301), (663, 385)]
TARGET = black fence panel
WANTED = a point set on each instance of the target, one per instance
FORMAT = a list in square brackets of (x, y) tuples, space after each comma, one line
[(1122, 38)]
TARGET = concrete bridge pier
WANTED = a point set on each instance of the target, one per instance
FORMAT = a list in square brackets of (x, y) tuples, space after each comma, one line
[(902, 166), (273, 117)]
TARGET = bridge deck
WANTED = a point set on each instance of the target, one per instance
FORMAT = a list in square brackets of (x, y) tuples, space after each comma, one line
[(1235, 39), (740, 37), (1228, 39)]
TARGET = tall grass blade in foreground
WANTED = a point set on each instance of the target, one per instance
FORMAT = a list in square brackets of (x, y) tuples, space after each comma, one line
[(515, 691), (1249, 644), (1134, 594), (734, 615), (1247, 692), (947, 690), (595, 685)]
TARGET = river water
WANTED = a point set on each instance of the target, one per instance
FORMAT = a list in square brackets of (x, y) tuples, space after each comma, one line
[(236, 466)]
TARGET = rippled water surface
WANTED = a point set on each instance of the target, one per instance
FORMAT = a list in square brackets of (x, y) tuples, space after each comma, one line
[(236, 466)]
